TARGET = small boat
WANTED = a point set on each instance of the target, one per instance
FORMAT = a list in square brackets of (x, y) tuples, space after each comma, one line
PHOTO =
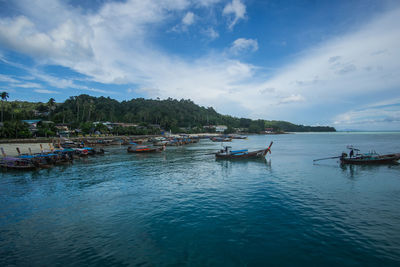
[(227, 153), (81, 152), (145, 149), (12, 163), (369, 158), (355, 157), (161, 143), (221, 139), (236, 136)]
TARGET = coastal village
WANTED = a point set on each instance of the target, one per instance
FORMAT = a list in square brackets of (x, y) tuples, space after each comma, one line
[(42, 135), (65, 130)]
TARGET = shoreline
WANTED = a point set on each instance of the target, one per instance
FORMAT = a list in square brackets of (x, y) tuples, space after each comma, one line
[(45, 140), (37, 140)]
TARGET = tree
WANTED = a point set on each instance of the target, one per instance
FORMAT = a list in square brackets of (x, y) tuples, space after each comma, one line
[(15, 129), (229, 130), (51, 104), (46, 129), (4, 96)]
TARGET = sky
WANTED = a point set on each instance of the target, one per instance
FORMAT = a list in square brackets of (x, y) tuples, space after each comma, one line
[(316, 62)]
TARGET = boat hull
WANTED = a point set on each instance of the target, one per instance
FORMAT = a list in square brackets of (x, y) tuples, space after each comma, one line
[(146, 150), (251, 155), (383, 159), (18, 168)]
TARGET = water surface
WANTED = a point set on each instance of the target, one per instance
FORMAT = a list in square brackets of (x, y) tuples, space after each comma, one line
[(183, 207)]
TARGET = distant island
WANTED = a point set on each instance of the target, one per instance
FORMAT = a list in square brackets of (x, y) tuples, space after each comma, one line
[(84, 114)]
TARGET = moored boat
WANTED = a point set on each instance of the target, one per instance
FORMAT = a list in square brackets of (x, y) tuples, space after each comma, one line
[(145, 149), (221, 139), (227, 153), (237, 136), (355, 157), (12, 163), (370, 158)]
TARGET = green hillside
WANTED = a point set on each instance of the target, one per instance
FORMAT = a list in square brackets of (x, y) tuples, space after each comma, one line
[(170, 114)]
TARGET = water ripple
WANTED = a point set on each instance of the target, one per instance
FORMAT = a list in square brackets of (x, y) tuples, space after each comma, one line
[(183, 207)]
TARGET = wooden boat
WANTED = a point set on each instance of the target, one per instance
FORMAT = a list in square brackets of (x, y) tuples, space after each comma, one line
[(145, 149), (236, 136), (69, 144), (64, 160), (355, 157), (11, 163), (81, 152), (227, 153), (161, 143), (370, 158), (126, 142), (221, 139)]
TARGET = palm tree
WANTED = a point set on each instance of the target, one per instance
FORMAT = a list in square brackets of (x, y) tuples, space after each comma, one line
[(4, 96), (91, 108), (52, 104)]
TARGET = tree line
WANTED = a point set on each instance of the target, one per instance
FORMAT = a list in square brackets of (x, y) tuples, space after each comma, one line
[(79, 112)]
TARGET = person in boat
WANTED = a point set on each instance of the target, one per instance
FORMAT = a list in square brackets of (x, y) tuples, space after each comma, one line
[(351, 153)]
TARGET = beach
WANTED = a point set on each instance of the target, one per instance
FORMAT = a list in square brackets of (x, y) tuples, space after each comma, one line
[(11, 149)]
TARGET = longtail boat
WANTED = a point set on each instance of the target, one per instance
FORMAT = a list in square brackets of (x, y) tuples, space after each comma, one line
[(355, 157), (369, 158), (227, 153), (145, 149), (221, 139), (81, 152), (236, 136), (12, 163)]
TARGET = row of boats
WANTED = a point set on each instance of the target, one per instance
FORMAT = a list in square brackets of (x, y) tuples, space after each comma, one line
[(180, 140), (46, 159), (65, 155), (354, 157), (225, 153), (155, 141)]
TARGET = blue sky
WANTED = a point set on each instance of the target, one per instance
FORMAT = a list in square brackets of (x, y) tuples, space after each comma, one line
[(309, 62)]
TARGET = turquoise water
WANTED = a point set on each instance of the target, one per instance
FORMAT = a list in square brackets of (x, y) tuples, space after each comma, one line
[(183, 207)]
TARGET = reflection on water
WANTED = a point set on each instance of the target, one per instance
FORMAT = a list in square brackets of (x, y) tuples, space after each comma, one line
[(184, 207), (354, 171)]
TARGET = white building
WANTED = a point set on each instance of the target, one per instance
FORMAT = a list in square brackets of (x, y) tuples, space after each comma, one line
[(220, 128)]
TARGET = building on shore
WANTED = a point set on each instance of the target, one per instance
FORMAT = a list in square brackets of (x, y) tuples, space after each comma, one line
[(216, 128)]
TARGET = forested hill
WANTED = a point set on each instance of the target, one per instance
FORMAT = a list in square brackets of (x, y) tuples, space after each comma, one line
[(169, 114)]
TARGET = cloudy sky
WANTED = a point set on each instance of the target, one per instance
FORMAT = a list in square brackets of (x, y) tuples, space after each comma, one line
[(309, 62)]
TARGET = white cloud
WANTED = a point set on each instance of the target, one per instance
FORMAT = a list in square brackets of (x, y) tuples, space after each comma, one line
[(211, 33), (237, 9), (242, 45), (378, 118), (341, 73), (114, 45), (18, 82), (26, 85), (44, 91), (206, 3), (68, 40), (5, 78), (188, 19), (378, 115), (292, 99)]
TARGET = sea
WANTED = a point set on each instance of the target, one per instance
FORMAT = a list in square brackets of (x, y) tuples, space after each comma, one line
[(183, 207)]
